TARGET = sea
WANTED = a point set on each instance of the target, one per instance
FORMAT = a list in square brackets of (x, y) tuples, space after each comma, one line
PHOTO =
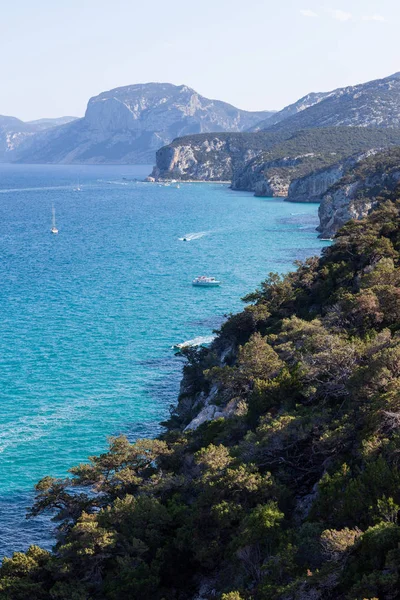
[(89, 317)]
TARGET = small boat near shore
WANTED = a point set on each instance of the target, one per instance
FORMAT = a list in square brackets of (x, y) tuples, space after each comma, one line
[(204, 281)]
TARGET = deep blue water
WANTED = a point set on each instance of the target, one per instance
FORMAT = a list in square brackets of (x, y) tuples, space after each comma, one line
[(88, 316)]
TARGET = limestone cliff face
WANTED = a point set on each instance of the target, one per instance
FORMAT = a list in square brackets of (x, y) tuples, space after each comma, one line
[(312, 187), (208, 158), (355, 195), (341, 205), (197, 407), (296, 178), (265, 177)]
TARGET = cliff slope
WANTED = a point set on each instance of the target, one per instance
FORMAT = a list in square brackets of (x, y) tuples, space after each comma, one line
[(128, 125), (362, 186)]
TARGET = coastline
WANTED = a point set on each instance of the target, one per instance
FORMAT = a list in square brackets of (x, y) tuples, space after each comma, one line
[(161, 181)]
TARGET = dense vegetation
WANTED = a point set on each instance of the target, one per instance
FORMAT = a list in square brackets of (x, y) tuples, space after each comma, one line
[(311, 150), (295, 494), (344, 140), (373, 173)]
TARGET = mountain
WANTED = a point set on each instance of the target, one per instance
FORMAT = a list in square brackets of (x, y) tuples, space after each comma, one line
[(292, 109), (128, 125), (372, 104), (14, 133), (54, 122)]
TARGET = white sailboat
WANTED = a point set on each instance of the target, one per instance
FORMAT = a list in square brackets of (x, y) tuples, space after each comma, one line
[(78, 188), (53, 221)]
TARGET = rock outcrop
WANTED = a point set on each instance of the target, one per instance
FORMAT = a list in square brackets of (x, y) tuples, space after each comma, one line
[(311, 188), (341, 205), (359, 190), (128, 125), (208, 157)]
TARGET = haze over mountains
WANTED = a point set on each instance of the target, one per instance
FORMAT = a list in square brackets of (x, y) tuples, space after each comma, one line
[(129, 124)]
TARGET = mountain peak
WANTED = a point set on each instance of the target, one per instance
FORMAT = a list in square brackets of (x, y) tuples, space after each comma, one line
[(128, 124)]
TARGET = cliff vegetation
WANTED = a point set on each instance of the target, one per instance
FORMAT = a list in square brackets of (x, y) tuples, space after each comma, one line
[(292, 494)]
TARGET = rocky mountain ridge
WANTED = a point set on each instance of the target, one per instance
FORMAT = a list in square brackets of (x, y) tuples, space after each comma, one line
[(372, 104), (128, 124), (14, 132), (292, 109)]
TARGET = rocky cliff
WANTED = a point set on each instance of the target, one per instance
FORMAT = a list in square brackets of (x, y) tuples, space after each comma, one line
[(360, 189), (128, 125), (208, 157), (267, 163)]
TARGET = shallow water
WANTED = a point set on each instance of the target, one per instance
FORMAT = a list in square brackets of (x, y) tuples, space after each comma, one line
[(89, 316)]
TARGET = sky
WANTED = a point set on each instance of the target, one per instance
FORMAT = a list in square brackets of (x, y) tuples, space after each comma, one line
[(255, 54)]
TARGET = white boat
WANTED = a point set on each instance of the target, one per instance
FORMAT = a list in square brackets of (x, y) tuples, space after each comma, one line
[(204, 281), (53, 221), (78, 188)]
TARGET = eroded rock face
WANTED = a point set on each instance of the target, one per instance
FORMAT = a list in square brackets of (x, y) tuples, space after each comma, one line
[(283, 177), (273, 187), (338, 207), (210, 159), (312, 187), (270, 178), (346, 201)]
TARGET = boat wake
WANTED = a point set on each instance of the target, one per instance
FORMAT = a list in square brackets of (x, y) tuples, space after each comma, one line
[(35, 189), (193, 236), (196, 342)]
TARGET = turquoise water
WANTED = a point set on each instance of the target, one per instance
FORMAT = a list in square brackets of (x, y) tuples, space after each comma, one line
[(88, 317)]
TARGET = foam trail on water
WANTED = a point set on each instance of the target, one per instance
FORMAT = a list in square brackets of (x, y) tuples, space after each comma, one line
[(36, 189), (193, 236), (197, 341)]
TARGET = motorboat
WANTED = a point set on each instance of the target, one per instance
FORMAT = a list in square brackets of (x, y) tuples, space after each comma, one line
[(204, 281)]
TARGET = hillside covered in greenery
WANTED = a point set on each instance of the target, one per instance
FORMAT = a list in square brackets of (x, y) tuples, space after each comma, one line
[(293, 494), (247, 157)]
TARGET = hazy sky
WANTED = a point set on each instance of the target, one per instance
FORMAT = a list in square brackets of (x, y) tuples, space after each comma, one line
[(255, 54)]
